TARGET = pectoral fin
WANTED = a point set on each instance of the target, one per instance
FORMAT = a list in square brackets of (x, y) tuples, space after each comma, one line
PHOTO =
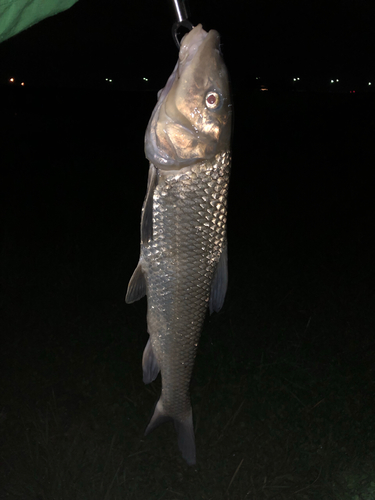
[(146, 219), (219, 283), (137, 286)]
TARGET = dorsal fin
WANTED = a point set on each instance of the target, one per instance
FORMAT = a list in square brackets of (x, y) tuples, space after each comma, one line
[(219, 283)]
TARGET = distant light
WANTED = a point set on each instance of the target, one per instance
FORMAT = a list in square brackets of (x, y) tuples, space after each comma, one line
[(11, 80), (294, 79), (332, 81), (369, 83), (22, 84), (337, 79), (257, 77), (145, 79), (352, 91), (297, 78), (108, 80)]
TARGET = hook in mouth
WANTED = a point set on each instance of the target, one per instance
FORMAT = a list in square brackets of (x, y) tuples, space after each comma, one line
[(185, 23)]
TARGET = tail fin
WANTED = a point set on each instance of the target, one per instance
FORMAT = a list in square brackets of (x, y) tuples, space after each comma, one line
[(185, 437), (159, 417), (184, 428)]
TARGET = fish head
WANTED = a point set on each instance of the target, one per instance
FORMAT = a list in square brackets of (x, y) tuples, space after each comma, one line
[(192, 119)]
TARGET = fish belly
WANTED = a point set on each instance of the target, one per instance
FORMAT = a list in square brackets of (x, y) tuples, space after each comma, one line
[(189, 236)]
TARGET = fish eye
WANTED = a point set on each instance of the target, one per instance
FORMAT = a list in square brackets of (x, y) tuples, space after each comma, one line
[(213, 100)]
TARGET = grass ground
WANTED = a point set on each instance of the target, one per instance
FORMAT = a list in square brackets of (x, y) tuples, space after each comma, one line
[(283, 387)]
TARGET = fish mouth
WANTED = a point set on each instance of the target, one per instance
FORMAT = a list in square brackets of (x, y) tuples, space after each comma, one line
[(179, 132), (189, 46)]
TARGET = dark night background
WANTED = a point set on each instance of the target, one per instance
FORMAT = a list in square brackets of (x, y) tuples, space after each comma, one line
[(283, 387), (126, 41)]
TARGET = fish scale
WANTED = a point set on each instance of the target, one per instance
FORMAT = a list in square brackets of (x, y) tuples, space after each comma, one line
[(178, 287)]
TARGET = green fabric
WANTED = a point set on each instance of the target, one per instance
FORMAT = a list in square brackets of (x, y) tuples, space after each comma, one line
[(18, 15)]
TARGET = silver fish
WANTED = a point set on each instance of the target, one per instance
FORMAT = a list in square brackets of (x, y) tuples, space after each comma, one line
[(183, 263)]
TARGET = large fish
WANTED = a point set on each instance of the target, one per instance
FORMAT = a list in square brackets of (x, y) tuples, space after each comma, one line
[(183, 263)]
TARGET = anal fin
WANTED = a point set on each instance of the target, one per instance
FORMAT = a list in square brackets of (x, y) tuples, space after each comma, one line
[(149, 364)]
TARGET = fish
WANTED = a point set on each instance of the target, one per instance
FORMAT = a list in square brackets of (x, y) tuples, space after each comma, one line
[(183, 267)]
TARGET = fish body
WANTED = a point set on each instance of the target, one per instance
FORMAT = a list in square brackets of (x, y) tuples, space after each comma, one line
[(183, 263)]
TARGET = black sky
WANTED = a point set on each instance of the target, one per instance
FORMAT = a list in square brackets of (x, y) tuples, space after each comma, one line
[(126, 40)]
